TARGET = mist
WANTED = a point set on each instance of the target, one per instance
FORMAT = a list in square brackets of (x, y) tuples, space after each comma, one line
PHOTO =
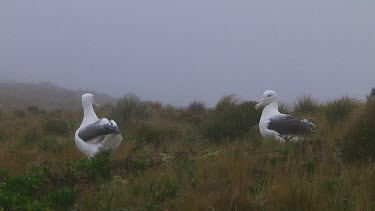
[(180, 51)]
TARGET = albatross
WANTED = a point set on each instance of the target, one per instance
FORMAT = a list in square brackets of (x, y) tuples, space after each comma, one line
[(280, 126), (95, 135)]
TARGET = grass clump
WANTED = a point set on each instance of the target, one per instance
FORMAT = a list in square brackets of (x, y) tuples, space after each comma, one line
[(63, 198), (307, 104), (22, 192), (195, 113), (230, 122), (56, 127), (227, 102), (372, 93), (359, 140), (340, 109), (34, 191), (130, 108), (98, 168)]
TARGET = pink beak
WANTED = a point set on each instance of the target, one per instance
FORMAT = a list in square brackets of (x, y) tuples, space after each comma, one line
[(260, 104)]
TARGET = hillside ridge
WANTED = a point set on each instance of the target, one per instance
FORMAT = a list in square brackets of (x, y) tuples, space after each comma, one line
[(45, 95)]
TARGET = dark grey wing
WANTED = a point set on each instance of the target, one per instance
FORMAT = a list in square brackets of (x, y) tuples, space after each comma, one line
[(98, 128), (290, 125)]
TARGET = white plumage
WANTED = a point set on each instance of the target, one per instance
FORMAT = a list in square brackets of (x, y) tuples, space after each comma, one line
[(280, 126), (95, 135)]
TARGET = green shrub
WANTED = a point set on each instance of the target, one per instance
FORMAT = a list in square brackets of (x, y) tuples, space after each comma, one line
[(307, 104), (56, 127), (230, 122), (195, 113), (32, 191), (140, 164), (21, 192), (130, 108), (340, 109), (63, 198), (98, 168), (26, 185), (372, 93), (227, 102), (359, 140)]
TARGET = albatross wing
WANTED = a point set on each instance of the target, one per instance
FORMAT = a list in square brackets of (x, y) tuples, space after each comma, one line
[(97, 129), (290, 125)]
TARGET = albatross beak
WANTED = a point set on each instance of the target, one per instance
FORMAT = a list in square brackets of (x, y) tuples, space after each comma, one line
[(260, 104)]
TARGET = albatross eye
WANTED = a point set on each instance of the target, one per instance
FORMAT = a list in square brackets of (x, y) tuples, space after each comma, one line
[(269, 95)]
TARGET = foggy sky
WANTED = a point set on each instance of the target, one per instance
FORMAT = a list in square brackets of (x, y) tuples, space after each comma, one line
[(177, 51)]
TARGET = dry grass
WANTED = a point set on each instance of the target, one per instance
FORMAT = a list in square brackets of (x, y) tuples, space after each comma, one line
[(185, 172)]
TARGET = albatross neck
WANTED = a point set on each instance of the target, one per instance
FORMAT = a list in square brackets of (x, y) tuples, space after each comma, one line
[(271, 109), (89, 115)]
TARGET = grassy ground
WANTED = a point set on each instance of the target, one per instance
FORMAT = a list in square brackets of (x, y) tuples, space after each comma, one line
[(171, 162)]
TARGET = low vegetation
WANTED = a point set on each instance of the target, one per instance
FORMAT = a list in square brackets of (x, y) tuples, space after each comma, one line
[(230, 120), (193, 158), (340, 110), (307, 104), (358, 141), (129, 109)]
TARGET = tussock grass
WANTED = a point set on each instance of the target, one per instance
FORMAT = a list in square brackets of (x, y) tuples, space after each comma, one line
[(230, 120), (340, 109), (99, 167), (307, 104), (195, 113), (227, 102), (129, 109), (167, 163), (372, 93), (358, 141)]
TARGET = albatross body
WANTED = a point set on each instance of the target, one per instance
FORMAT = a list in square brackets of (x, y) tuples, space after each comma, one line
[(280, 126), (95, 135)]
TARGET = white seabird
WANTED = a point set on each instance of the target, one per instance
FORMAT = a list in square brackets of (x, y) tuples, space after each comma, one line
[(95, 135), (280, 126)]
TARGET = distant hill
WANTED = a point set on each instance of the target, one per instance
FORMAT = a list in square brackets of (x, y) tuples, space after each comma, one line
[(44, 95)]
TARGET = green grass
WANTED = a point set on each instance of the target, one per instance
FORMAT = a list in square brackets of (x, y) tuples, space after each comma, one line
[(130, 108), (230, 121), (340, 110), (307, 104), (358, 141), (98, 168)]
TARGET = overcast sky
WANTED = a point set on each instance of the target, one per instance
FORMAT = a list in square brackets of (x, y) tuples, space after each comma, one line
[(177, 51)]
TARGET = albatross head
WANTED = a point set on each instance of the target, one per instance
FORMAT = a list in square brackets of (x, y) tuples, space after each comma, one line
[(269, 97), (88, 100)]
